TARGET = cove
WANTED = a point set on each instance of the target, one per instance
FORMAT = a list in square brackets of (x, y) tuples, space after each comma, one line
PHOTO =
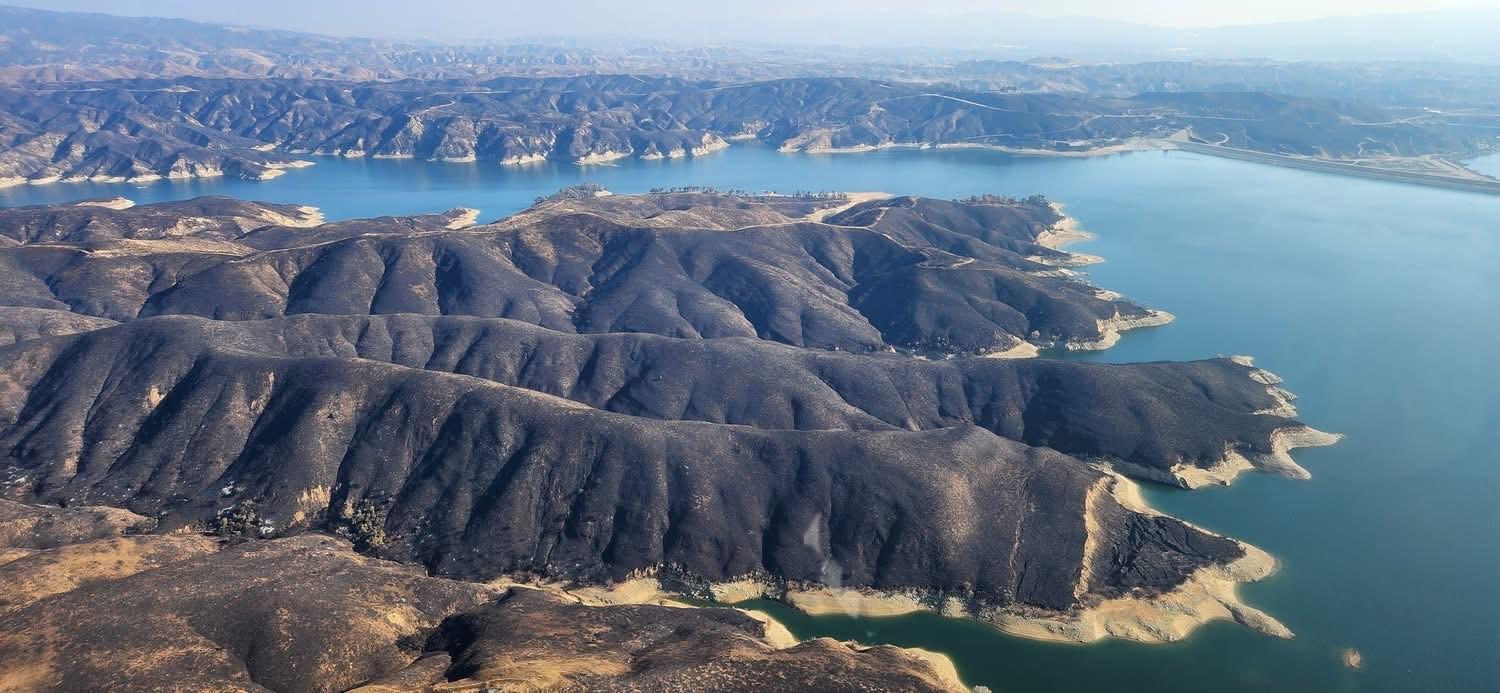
[(1376, 301)]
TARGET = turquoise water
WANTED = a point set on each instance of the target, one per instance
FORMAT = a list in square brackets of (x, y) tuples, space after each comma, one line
[(1376, 301)]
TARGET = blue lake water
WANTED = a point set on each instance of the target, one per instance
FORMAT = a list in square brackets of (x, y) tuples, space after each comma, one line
[(1378, 302)]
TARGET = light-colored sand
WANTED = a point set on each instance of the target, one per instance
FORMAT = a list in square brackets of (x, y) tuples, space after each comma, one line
[(600, 158), (1208, 595), (941, 665), (1065, 232), (311, 216), (1110, 330), (1235, 460), (522, 159), (710, 145), (1133, 145), (1282, 398), (855, 198), (778, 635), (1020, 350), (116, 203), (268, 171), (648, 590), (466, 217), (817, 142)]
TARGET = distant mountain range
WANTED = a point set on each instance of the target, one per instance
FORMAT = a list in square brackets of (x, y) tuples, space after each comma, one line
[(45, 45), (255, 128)]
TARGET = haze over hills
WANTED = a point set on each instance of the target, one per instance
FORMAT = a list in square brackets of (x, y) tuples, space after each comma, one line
[(246, 447), (247, 102), (1449, 35), (147, 129)]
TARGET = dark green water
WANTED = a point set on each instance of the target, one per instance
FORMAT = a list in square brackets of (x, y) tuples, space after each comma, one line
[(1377, 302)]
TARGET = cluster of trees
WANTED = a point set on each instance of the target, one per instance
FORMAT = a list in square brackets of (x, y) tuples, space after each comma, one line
[(988, 199), (740, 192), (580, 191), (583, 191)]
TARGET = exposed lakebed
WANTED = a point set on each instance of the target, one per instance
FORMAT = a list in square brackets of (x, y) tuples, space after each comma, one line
[(1374, 300)]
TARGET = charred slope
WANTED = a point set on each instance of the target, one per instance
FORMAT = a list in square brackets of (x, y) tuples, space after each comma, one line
[(253, 127), (21, 324), (1155, 415), (637, 416), (275, 236), (475, 479), (299, 614), (26, 528), (563, 267), (651, 647), (996, 231), (217, 218), (238, 226), (153, 612)]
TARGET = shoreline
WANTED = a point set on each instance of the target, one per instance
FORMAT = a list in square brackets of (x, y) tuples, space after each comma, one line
[(1113, 328), (1061, 234), (648, 591), (1144, 144), (270, 172), (1479, 183), (1066, 231), (1208, 594), (1236, 460), (854, 198)]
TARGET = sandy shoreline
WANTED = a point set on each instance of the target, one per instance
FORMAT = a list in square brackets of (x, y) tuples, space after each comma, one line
[(799, 146), (1065, 232), (1111, 329), (466, 217), (648, 590), (714, 144), (1022, 349), (267, 172), (854, 198), (1236, 460), (1209, 594)]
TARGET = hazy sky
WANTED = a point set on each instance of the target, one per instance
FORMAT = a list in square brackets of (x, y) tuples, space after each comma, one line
[(498, 19)]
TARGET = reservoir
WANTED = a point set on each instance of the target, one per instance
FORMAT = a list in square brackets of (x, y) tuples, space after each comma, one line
[(1377, 302)]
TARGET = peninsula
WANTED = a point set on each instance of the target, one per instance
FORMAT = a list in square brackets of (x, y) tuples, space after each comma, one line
[(577, 413)]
